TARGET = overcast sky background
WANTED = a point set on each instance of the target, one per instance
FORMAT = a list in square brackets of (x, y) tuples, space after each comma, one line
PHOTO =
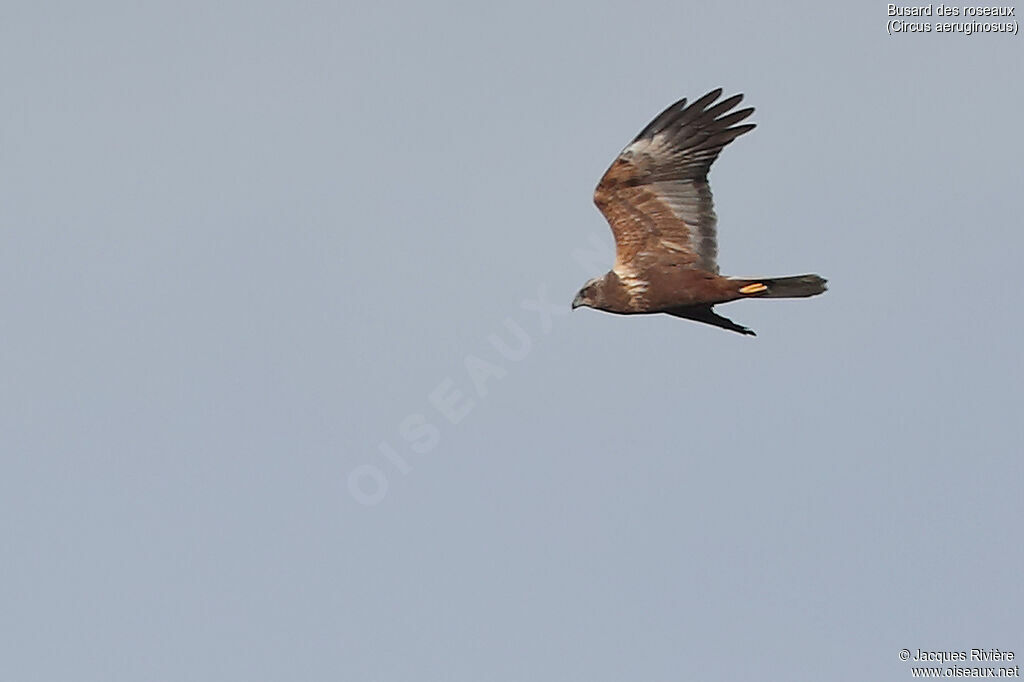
[(253, 258)]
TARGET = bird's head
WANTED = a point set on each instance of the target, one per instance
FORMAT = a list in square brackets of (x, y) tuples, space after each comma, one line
[(589, 295)]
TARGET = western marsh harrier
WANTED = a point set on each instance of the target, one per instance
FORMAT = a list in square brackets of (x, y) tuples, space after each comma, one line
[(657, 200)]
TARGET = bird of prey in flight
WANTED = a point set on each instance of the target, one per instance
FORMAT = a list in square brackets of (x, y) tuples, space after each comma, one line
[(657, 200)]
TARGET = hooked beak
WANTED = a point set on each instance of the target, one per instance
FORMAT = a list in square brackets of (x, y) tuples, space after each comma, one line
[(578, 301)]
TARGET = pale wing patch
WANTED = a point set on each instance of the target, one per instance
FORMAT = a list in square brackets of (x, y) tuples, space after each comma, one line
[(635, 286), (657, 146), (690, 202), (673, 246), (622, 271)]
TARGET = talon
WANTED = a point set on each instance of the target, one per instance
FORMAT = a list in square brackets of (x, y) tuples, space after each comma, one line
[(753, 288)]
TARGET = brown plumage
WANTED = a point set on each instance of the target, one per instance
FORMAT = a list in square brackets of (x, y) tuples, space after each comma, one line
[(657, 200)]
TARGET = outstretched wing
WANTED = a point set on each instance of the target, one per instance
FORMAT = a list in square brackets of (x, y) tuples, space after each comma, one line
[(656, 196)]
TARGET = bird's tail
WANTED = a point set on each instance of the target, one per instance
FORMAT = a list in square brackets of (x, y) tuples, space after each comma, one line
[(798, 286)]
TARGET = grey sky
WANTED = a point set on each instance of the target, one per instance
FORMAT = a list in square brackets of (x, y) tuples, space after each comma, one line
[(244, 243)]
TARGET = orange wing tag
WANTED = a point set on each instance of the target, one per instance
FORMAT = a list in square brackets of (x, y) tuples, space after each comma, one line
[(753, 288)]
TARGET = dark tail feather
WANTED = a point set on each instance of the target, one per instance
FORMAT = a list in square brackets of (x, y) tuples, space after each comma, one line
[(799, 286)]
